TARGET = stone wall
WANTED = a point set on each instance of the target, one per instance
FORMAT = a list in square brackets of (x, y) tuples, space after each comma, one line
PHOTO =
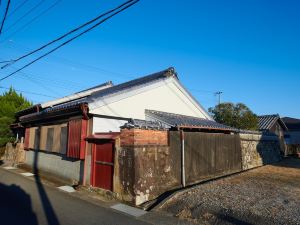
[(259, 149), (14, 154)]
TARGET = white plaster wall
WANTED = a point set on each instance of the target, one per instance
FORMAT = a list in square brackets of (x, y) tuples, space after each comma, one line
[(164, 96), (107, 125)]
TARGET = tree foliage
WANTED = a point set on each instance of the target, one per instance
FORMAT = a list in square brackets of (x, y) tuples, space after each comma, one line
[(235, 115), (10, 103)]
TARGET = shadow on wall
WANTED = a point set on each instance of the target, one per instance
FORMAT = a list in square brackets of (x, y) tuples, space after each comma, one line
[(14, 201), (259, 150), (47, 207), (269, 151)]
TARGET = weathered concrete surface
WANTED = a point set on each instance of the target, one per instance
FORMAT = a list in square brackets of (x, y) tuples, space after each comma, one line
[(146, 172), (265, 195), (258, 150), (62, 167), (147, 165)]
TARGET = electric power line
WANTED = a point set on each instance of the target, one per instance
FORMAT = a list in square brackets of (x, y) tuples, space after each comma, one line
[(70, 40), (17, 8), (24, 15), (33, 19), (28, 92), (68, 33), (70, 62), (5, 14)]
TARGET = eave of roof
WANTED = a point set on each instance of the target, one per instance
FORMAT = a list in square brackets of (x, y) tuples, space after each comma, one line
[(56, 112), (32, 109), (103, 136)]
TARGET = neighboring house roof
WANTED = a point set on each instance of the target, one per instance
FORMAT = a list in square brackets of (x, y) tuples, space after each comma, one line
[(266, 122), (182, 121), (292, 124)]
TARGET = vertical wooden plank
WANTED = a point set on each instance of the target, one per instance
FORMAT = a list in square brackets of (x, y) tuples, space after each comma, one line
[(27, 137), (63, 139), (49, 139)]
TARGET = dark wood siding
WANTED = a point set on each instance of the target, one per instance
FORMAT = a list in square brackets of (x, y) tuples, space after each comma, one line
[(209, 155), (49, 142), (27, 137), (63, 140)]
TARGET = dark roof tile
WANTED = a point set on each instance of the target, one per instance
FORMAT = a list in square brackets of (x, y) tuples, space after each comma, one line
[(267, 121), (177, 120), (137, 82)]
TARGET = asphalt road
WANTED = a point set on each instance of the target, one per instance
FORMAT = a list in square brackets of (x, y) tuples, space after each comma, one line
[(28, 201)]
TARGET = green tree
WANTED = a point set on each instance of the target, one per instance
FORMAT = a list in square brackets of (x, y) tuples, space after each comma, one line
[(10, 103), (235, 115)]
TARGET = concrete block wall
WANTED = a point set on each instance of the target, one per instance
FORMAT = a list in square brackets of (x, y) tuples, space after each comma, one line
[(70, 170)]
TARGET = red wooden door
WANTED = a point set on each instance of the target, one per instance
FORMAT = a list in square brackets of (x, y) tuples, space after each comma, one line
[(103, 165)]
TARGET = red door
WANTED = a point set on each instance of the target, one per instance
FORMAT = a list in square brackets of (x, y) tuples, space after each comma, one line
[(103, 165)]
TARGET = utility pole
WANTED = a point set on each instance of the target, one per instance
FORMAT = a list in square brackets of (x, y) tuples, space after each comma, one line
[(219, 94)]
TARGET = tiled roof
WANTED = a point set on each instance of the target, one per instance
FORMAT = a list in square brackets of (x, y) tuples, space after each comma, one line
[(143, 124), (292, 124), (182, 121), (64, 108), (267, 121), (137, 82), (108, 83)]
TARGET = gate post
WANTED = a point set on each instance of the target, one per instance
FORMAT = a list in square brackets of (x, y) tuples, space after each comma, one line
[(182, 158)]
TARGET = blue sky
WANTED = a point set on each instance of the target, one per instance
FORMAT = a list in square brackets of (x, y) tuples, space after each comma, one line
[(247, 49)]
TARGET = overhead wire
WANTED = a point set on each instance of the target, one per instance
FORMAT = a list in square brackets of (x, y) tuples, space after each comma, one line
[(32, 20), (5, 14), (70, 40), (28, 92), (17, 8), (25, 15), (68, 33), (64, 61)]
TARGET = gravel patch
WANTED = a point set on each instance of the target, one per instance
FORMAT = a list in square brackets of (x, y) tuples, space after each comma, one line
[(265, 195)]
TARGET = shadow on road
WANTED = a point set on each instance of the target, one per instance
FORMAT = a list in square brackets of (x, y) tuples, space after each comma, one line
[(15, 206), (47, 207)]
